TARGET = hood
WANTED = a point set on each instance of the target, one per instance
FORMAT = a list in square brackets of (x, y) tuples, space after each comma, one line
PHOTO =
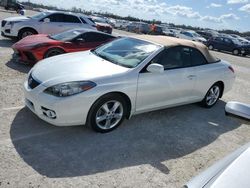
[(33, 40), (18, 18), (231, 171), (102, 24), (201, 39), (76, 66)]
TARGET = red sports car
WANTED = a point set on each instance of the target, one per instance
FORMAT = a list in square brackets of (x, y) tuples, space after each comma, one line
[(37, 47)]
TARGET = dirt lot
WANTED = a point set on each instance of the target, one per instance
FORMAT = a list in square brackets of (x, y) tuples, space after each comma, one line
[(158, 149)]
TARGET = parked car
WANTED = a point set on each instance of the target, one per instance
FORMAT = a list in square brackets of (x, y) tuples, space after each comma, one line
[(205, 34), (138, 27), (124, 77), (228, 44), (12, 4), (241, 39), (50, 22), (102, 25), (191, 35), (119, 23), (169, 32), (156, 29), (37, 47), (231, 171)]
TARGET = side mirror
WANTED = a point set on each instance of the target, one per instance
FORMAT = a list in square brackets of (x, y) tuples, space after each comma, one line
[(46, 20), (80, 40), (155, 68)]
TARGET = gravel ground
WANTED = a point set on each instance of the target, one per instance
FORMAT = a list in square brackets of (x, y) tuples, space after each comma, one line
[(159, 149)]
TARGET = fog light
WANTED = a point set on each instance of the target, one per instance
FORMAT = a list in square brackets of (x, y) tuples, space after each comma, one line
[(49, 113)]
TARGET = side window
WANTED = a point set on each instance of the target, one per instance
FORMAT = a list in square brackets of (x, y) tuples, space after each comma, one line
[(197, 58), (90, 37), (71, 19), (96, 37), (175, 57), (83, 21), (56, 17), (228, 41), (218, 39)]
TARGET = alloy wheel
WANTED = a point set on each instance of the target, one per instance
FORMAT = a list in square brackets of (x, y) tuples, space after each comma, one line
[(27, 33), (109, 115), (213, 95)]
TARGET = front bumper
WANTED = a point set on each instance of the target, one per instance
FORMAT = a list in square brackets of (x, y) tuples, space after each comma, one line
[(54, 110), (26, 57)]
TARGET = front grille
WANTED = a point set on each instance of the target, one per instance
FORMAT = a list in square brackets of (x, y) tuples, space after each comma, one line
[(30, 56), (32, 82), (3, 23)]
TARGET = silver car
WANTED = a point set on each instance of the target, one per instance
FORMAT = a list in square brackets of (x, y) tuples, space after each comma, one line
[(49, 22), (127, 76)]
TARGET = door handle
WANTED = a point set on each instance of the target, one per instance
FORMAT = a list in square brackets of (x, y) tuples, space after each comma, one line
[(191, 76)]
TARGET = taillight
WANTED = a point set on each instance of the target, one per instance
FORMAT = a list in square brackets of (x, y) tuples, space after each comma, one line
[(231, 68)]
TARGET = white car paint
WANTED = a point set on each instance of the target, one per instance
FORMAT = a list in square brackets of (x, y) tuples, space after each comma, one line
[(146, 91), (14, 25), (191, 35), (231, 171)]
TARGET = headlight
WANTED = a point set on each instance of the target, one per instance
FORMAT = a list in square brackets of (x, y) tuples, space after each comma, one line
[(70, 88)]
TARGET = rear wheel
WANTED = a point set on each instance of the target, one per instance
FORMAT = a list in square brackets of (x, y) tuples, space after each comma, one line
[(210, 47), (236, 52), (107, 113), (212, 96), (53, 52)]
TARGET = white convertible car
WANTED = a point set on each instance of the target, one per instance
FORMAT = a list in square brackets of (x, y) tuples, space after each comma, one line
[(127, 76)]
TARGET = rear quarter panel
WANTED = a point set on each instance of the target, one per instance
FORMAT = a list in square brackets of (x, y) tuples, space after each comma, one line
[(209, 74)]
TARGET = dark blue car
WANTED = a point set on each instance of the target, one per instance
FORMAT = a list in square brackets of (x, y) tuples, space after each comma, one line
[(228, 44)]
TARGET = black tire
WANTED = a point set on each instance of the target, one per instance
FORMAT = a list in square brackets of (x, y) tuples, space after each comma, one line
[(53, 52), (26, 32), (205, 103), (210, 47), (236, 52), (97, 106)]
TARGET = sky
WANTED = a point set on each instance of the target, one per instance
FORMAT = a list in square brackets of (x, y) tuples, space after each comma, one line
[(215, 14)]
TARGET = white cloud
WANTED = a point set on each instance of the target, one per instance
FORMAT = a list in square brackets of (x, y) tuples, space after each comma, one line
[(237, 1), (221, 18), (215, 5), (245, 8)]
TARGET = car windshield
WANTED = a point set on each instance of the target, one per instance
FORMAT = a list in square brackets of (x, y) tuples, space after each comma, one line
[(126, 52), (66, 36), (100, 20), (39, 16), (195, 34)]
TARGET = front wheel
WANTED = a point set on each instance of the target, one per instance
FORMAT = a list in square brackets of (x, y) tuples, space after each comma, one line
[(107, 113), (212, 96), (53, 52)]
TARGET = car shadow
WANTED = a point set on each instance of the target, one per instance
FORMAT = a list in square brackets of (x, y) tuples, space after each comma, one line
[(6, 43), (150, 138), (13, 64)]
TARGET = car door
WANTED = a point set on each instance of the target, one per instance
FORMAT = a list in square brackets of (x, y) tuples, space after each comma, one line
[(71, 22), (172, 87), (52, 23), (228, 44), (218, 43), (206, 74)]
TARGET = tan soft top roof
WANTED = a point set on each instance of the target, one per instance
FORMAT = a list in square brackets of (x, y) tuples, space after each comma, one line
[(171, 41)]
